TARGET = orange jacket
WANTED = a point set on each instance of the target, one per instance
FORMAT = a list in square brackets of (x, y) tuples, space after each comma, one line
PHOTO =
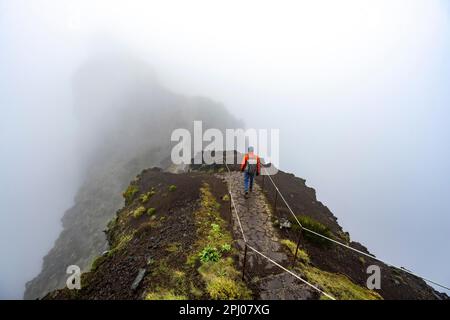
[(248, 156)]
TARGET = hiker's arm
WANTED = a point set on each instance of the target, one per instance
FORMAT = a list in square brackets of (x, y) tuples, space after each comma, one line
[(244, 162)]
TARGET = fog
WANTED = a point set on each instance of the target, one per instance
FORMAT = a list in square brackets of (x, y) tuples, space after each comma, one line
[(358, 89)]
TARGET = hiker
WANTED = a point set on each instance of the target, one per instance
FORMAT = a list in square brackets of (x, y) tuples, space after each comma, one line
[(251, 167)]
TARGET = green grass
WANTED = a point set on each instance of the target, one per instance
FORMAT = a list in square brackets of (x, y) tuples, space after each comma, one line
[(315, 226), (338, 285), (223, 280), (172, 188), (164, 294), (151, 211), (129, 193), (291, 246), (213, 250), (138, 212), (97, 262), (120, 244), (225, 248), (209, 271), (146, 196)]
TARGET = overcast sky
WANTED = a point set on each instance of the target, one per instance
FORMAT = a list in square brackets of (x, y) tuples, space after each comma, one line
[(359, 91)]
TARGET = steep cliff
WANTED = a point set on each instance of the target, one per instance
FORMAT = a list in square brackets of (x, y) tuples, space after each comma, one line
[(126, 118), (177, 238)]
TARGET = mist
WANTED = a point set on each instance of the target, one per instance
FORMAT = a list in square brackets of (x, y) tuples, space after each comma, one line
[(358, 89)]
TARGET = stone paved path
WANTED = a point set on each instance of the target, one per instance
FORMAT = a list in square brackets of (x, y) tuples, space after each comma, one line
[(255, 215)]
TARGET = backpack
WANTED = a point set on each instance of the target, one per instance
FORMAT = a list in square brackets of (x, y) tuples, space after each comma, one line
[(252, 165)]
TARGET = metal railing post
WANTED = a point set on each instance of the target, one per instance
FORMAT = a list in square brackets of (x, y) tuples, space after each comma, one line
[(244, 263), (231, 208), (263, 184)]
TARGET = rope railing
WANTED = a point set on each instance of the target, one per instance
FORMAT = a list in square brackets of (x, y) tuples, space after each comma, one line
[(260, 253), (277, 190)]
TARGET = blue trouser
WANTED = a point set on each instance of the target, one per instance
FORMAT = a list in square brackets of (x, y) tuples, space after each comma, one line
[(248, 180)]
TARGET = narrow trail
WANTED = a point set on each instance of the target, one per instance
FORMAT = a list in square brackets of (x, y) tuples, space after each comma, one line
[(254, 212)]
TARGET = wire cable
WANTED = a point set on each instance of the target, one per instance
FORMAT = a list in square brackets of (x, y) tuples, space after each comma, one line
[(292, 273), (347, 246), (261, 254)]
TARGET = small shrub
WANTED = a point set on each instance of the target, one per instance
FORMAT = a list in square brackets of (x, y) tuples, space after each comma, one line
[(151, 211), (215, 235), (129, 193), (215, 228), (223, 288), (172, 188), (315, 226), (146, 196), (137, 213), (209, 253), (120, 244), (223, 281), (226, 197), (345, 236), (225, 248)]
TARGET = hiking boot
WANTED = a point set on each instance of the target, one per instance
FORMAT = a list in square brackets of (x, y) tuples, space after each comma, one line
[(246, 195)]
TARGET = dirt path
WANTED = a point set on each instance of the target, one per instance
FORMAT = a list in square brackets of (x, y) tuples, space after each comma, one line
[(271, 281)]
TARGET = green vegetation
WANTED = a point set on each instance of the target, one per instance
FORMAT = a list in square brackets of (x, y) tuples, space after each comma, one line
[(130, 193), (172, 188), (221, 279), (209, 253), (291, 246), (362, 260), (338, 285), (138, 212), (315, 226), (226, 197), (97, 262), (335, 284), (225, 248), (173, 283), (146, 196), (164, 294), (210, 258), (345, 236), (120, 244)]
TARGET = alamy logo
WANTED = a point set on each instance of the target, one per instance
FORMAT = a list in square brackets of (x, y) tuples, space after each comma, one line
[(265, 143), (74, 280), (374, 280)]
